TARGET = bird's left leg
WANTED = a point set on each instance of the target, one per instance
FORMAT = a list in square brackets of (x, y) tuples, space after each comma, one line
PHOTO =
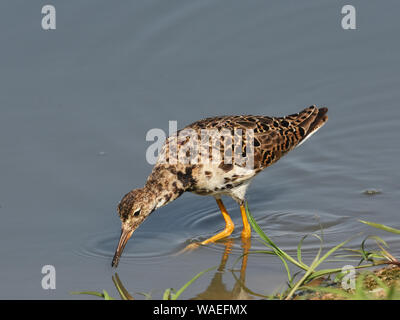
[(246, 233), (229, 226)]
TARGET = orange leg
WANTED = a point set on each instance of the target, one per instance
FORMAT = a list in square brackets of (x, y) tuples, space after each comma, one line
[(246, 233), (228, 227), (246, 245)]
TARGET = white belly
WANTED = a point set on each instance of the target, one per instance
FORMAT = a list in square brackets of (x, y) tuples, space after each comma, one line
[(214, 181)]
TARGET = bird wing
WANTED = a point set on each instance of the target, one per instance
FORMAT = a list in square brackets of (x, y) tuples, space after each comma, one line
[(273, 136)]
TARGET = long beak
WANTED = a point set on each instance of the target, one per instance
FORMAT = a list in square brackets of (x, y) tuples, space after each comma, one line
[(125, 235)]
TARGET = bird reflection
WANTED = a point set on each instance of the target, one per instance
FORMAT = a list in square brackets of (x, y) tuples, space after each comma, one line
[(217, 289)]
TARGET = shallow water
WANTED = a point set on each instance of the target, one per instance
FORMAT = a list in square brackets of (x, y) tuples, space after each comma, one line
[(76, 103)]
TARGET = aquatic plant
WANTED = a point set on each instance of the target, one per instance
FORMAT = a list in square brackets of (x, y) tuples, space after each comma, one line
[(383, 284), (310, 271), (169, 293)]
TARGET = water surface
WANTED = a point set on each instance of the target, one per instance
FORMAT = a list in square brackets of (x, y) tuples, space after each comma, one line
[(76, 104)]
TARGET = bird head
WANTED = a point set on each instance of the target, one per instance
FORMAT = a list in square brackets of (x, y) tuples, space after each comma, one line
[(133, 209)]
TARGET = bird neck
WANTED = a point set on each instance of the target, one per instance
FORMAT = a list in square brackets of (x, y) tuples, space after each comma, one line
[(165, 184)]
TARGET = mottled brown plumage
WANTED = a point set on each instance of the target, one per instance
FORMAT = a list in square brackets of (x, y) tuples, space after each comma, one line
[(199, 163), (273, 137)]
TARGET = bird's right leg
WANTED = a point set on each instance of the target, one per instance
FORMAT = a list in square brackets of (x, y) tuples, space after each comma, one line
[(229, 226), (246, 233)]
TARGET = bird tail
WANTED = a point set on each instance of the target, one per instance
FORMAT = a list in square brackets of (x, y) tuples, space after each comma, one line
[(314, 119)]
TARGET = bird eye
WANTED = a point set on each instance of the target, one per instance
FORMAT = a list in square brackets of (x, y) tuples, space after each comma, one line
[(136, 213)]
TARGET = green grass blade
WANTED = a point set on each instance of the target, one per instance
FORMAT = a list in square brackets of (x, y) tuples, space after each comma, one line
[(326, 255), (125, 295), (359, 293), (270, 243), (107, 296), (103, 294), (310, 270), (324, 272), (317, 261), (187, 284), (286, 268), (167, 294), (92, 293), (148, 295), (261, 233), (381, 226), (299, 249)]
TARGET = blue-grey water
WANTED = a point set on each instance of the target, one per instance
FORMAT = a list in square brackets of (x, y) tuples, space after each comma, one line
[(76, 104)]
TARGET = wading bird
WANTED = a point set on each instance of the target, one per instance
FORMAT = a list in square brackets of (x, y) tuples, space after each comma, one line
[(173, 174)]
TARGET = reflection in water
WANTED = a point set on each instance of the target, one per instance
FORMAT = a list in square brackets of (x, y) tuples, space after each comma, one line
[(217, 290), (124, 294)]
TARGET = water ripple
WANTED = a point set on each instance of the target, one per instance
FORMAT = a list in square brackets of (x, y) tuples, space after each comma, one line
[(142, 246)]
